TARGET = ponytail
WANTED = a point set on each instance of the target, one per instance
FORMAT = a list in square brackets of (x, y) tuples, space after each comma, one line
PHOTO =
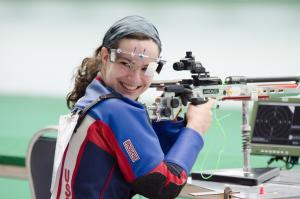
[(85, 74)]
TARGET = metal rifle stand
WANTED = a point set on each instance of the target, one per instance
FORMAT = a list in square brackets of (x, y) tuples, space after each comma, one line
[(246, 176)]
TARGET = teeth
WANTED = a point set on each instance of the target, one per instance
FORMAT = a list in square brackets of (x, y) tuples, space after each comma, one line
[(129, 87)]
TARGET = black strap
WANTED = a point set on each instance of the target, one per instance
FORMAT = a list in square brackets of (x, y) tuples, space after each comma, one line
[(101, 98)]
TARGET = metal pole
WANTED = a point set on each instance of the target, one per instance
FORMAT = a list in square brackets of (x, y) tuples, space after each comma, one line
[(246, 136)]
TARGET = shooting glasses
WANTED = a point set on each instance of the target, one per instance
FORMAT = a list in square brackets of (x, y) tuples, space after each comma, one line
[(132, 61)]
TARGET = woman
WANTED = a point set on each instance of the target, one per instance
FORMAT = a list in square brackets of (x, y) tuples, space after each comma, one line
[(115, 151)]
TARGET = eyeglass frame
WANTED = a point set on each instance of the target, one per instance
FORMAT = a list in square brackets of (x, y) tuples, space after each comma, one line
[(160, 63)]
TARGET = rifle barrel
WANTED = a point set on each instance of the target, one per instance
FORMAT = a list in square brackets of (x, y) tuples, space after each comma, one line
[(243, 79)]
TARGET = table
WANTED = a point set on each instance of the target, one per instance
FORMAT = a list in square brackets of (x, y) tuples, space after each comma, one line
[(286, 185)]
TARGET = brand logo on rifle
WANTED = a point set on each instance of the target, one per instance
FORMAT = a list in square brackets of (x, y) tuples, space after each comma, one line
[(131, 150), (210, 91)]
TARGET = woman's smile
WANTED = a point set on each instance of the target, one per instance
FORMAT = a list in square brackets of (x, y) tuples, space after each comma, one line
[(129, 87)]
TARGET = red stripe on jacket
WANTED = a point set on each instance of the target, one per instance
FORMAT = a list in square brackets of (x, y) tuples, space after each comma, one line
[(106, 140), (78, 160), (61, 173), (171, 178)]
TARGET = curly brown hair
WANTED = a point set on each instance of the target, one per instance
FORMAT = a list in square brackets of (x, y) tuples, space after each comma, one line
[(89, 69)]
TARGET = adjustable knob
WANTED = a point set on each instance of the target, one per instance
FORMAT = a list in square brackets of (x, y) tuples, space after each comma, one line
[(174, 102), (166, 112)]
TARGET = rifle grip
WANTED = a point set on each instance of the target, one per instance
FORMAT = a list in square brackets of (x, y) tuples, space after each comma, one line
[(197, 101)]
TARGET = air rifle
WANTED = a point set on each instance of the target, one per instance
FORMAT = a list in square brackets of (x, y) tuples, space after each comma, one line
[(201, 86)]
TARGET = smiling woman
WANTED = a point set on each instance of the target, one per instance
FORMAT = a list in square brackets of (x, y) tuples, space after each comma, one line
[(49, 38), (114, 150), (137, 40), (127, 74)]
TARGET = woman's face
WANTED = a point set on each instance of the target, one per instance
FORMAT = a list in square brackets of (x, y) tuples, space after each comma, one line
[(132, 82)]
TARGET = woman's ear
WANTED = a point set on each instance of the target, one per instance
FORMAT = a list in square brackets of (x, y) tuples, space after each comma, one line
[(104, 55)]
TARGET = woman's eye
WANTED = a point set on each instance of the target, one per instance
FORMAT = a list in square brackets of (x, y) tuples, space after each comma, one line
[(144, 68), (126, 64)]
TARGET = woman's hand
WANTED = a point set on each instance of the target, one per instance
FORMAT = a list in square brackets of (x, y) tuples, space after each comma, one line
[(199, 117)]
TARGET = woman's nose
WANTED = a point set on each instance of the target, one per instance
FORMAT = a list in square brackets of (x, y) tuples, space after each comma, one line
[(135, 74)]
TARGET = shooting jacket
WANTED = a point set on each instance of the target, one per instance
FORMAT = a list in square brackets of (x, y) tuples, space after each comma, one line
[(117, 152)]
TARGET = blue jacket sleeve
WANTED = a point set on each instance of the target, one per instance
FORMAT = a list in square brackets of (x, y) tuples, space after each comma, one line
[(185, 150), (181, 150)]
